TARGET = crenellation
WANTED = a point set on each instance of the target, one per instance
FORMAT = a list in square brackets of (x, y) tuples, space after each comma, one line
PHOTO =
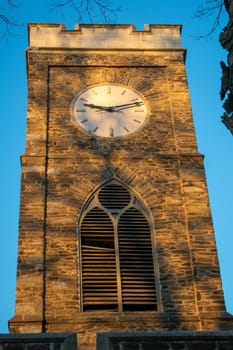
[(96, 36)]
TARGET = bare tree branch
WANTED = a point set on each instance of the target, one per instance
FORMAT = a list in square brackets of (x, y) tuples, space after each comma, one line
[(83, 10), (89, 9), (7, 20), (210, 8)]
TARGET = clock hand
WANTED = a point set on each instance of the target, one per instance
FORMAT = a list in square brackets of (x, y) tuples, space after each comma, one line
[(129, 105), (118, 107), (91, 105), (114, 108)]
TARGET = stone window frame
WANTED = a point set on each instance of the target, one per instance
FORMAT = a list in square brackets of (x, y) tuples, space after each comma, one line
[(96, 204)]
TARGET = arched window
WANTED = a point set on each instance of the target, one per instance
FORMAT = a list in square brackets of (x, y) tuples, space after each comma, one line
[(117, 262)]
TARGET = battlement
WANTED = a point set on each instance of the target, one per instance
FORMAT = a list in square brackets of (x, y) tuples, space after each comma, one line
[(104, 36)]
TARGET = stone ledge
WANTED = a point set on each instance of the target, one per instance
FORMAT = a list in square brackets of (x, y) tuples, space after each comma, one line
[(219, 340), (103, 317), (216, 315), (84, 317), (43, 341), (141, 155)]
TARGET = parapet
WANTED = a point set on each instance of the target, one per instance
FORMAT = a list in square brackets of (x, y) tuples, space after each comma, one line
[(105, 36)]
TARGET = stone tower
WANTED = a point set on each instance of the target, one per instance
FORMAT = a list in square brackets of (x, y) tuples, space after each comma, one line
[(115, 225)]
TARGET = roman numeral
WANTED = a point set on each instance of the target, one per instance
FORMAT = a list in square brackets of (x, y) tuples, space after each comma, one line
[(137, 121), (111, 132), (84, 121), (123, 92), (108, 90), (126, 129), (80, 110)]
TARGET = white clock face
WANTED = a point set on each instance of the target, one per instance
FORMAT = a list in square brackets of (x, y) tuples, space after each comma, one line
[(110, 111)]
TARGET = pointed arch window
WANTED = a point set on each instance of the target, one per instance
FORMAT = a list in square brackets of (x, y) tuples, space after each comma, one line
[(118, 271)]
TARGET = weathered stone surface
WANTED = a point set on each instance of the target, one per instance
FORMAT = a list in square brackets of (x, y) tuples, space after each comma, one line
[(100, 36)]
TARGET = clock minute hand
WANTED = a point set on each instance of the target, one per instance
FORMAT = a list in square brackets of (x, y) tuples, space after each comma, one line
[(127, 105)]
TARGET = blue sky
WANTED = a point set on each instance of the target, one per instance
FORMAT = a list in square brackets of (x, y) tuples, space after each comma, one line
[(214, 140)]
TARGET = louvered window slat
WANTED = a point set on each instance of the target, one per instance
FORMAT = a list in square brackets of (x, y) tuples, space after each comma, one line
[(98, 261), (101, 238), (114, 196), (136, 272)]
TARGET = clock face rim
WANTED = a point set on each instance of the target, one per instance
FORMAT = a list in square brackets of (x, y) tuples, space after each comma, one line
[(126, 87)]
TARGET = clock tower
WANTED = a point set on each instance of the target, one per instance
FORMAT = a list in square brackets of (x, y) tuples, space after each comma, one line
[(115, 226)]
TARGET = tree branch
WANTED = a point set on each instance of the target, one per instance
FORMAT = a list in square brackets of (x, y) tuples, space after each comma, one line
[(211, 8), (89, 9), (7, 21)]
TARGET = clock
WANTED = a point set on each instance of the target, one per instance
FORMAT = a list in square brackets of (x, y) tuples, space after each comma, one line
[(109, 110)]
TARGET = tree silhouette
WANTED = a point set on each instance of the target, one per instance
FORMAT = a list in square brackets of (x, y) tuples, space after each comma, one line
[(226, 93)]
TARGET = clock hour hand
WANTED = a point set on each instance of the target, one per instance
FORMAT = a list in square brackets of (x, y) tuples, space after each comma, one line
[(103, 108)]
